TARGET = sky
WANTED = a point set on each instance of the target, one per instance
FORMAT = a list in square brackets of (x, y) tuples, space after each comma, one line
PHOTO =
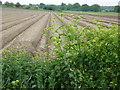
[(58, 2)]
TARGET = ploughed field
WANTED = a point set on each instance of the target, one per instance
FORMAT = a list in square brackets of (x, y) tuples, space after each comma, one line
[(27, 28)]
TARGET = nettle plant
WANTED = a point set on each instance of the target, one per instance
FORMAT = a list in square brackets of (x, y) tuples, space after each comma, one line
[(91, 54), (83, 58)]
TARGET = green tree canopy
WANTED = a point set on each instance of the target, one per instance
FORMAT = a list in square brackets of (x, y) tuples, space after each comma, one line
[(30, 4), (18, 4), (95, 8), (76, 6), (7, 3), (0, 2), (50, 7), (42, 5), (12, 4), (63, 6), (85, 7), (69, 6), (117, 9)]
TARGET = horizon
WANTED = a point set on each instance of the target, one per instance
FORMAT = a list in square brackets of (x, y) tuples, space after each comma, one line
[(90, 2)]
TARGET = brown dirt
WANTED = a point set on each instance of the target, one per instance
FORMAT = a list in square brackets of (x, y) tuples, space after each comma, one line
[(11, 33), (25, 28)]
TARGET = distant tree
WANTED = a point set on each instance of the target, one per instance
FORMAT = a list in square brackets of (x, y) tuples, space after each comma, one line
[(26, 7), (7, 3), (95, 8), (30, 4), (117, 9), (18, 4), (63, 6), (0, 2), (58, 8), (76, 6), (11, 4), (50, 7), (107, 8), (85, 7), (42, 5), (69, 6)]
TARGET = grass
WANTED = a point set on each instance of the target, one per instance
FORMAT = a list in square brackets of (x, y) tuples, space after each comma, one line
[(95, 13)]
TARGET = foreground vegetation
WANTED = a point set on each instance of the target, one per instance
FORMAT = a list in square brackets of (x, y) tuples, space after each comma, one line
[(84, 58)]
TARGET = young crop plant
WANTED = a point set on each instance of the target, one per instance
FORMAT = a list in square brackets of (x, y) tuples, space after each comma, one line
[(62, 14)]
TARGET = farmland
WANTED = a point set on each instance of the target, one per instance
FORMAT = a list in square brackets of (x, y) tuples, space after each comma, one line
[(26, 27), (42, 49), (96, 13)]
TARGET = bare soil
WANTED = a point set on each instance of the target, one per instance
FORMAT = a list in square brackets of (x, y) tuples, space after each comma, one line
[(26, 27)]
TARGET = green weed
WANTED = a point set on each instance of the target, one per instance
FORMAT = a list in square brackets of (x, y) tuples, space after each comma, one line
[(84, 58)]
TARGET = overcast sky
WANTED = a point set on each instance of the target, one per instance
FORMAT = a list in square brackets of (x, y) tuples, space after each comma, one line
[(58, 2)]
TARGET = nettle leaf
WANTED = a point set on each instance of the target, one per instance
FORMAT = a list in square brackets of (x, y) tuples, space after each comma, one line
[(33, 86), (81, 58)]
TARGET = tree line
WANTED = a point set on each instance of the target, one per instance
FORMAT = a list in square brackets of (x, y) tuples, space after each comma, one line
[(63, 6), (10, 4)]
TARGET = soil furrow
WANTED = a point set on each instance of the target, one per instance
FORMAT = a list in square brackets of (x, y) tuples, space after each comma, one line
[(11, 33), (103, 19), (30, 38), (43, 43), (11, 24), (83, 23), (15, 18)]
